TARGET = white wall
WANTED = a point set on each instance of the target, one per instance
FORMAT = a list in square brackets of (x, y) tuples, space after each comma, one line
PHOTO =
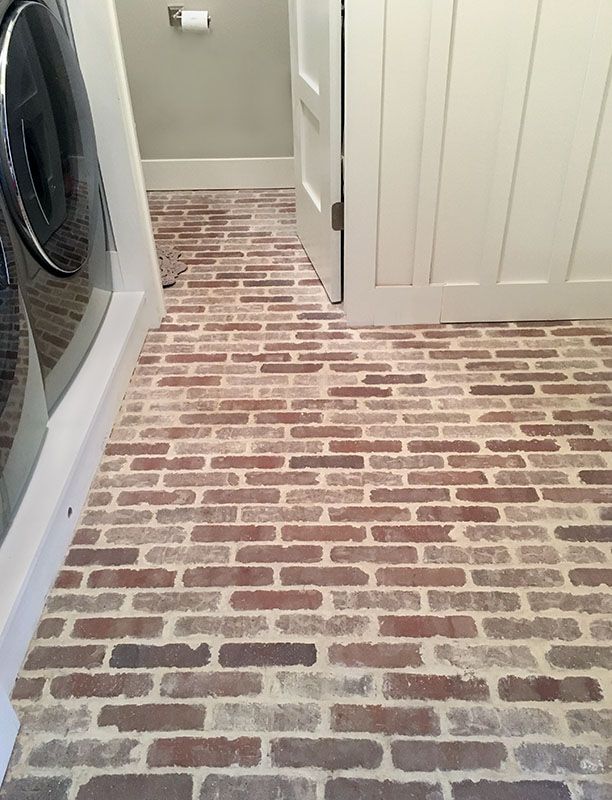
[(478, 160), (206, 103)]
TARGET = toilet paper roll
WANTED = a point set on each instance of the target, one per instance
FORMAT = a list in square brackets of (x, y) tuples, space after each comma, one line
[(195, 21)]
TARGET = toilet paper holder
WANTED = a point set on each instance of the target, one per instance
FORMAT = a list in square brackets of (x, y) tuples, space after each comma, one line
[(175, 16)]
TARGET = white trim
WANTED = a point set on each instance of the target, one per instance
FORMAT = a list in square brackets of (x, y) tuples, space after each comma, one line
[(219, 173), (510, 302), (35, 546), (98, 44), (9, 726), (363, 108)]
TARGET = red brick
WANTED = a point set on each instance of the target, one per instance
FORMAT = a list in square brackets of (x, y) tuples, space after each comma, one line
[(582, 495), (131, 578), (264, 654), (137, 787), (227, 418), (420, 576), (68, 579), (547, 689), (590, 603), (28, 688), (328, 754), (83, 684), (491, 601), (323, 533), (50, 628), (458, 514), (557, 430), (521, 790), (412, 533), (386, 720), (591, 445), (490, 494), (539, 628), (257, 787), (152, 717), (137, 448), (272, 599), (108, 557), (580, 657), (177, 381), (585, 533), (420, 495), (118, 627), (247, 462), (379, 554), (436, 446), (233, 533), (204, 752), (487, 461), (304, 554), (189, 463), (377, 655), (369, 514), (86, 536), (517, 577), (497, 389), (399, 686), (363, 789), (146, 656), (211, 684), (417, 627), (323, 576), (591, 577), (447, 477), (228, 576), (523, 445), (325, 432), (327, 462), (427, 756), (365, 446), (240, 496), (360, 391), (396, 379), (56, 657), (289, 478), (180, 497)]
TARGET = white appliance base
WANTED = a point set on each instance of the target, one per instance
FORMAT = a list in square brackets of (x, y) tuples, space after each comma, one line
[(36, 544)]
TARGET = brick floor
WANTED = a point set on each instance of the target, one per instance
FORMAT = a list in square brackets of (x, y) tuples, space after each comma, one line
[(321, 563)]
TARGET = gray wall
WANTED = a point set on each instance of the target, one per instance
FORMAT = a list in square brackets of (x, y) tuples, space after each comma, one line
[(222, 94)]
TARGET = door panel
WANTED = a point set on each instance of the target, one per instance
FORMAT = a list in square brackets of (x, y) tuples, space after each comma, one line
[(316, 67), (479, 188)]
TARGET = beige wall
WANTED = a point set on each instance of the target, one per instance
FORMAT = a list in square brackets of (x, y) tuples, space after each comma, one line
[(222, 94)]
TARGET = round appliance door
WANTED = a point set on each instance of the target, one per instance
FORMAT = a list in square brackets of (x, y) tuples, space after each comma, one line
[(23, 412), (49, 169)]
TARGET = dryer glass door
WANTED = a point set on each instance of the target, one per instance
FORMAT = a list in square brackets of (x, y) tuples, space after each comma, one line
[(23, 413), (50, 170)]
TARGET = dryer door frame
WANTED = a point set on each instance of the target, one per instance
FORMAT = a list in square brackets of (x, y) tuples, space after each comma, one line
[(48, 159)]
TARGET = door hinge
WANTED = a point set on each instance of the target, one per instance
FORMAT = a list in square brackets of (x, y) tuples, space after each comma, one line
[(337, 216)]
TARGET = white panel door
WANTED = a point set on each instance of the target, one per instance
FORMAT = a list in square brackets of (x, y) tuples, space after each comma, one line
[(316, 79), (477, 161)]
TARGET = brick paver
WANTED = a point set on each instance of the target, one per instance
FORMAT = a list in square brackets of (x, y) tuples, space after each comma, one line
[(330, 564)]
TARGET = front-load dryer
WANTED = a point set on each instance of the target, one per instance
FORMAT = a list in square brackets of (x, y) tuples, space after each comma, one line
[(23, 409), (50, 178)]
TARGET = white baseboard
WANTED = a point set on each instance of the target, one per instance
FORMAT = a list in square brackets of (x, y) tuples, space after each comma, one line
[(9, 726), (219, 173), (36, 543)]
